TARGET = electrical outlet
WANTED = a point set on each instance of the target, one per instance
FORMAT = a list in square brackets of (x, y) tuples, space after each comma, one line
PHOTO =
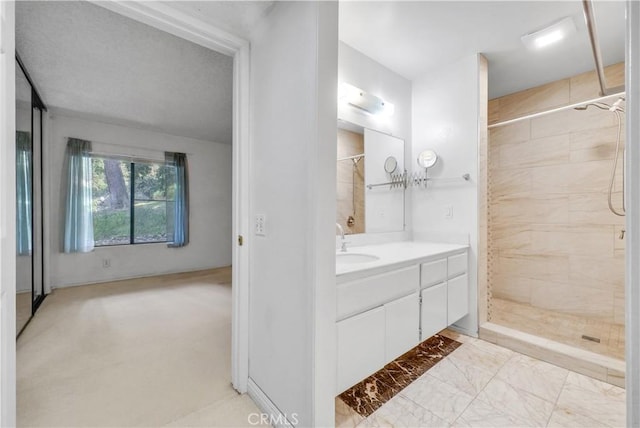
[(106, 263), (448, 211), (261, 225)]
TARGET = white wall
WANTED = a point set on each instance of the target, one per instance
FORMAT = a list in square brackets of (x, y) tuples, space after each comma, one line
[(359, 70), (632, 194), (292, 275), (209, 198), (7, 217), (446, 108)]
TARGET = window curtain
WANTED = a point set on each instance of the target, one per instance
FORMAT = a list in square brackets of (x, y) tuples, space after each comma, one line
[(78, 231), (24, 193), (181, 204)]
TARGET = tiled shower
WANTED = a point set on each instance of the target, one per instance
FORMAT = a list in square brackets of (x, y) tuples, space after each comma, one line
[(555, 252)]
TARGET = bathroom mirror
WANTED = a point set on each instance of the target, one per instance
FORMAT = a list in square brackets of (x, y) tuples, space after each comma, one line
[(24, 201), (427, 158), (367, 162), (391, 165)]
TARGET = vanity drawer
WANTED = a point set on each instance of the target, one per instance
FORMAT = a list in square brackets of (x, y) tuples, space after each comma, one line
[(433, 273), (366, 293), (457, 264)]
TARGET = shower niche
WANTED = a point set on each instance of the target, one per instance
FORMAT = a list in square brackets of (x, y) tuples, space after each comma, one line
[(368, 163)]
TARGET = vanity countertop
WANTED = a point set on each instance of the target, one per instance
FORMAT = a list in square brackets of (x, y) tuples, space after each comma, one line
[(392, 256)]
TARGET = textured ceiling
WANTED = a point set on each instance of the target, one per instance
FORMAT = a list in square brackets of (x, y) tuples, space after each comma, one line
[(237, 17), (412, 38), (87, 59)]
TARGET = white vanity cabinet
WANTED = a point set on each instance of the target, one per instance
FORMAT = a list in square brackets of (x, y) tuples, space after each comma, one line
[(361, 347), (433, 311), (378, 320), (383, 313), (402, 318), (444, 293)]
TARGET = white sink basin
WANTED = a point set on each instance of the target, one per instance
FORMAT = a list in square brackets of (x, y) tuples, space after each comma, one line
[(351, 258)]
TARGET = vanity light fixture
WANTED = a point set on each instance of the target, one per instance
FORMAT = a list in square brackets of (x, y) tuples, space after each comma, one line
[(364, 101), (552, 34)]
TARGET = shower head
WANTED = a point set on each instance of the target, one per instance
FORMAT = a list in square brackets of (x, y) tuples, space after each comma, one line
[(601, 106)]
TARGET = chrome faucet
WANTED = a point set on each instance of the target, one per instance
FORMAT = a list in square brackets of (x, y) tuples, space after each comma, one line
[(343, 247)]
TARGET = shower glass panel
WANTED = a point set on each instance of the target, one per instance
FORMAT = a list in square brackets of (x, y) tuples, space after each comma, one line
[(24, 201)]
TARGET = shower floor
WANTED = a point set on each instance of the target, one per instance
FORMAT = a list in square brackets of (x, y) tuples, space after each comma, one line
[(564, 328)]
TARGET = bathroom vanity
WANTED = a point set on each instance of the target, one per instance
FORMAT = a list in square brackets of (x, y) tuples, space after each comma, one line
[(390, 297)]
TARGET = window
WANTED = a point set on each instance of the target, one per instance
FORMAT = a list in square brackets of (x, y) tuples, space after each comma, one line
[(133, 202)]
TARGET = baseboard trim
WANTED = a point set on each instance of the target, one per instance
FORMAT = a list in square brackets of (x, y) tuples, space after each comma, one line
[(264, 403)]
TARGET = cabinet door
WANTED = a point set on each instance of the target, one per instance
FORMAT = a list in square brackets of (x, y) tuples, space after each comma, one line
[(458, 264), (402, 324), (458, 300), (433, 315), (360, 347)]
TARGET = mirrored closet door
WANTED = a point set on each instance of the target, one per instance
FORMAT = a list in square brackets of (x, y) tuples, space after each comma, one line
[(29, 207)]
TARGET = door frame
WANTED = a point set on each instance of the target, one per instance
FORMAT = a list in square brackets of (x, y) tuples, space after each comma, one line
[(172, 21)]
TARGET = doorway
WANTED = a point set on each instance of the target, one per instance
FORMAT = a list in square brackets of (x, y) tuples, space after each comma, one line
[(237, 222)]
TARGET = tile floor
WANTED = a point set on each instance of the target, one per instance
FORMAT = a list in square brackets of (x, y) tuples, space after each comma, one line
[(147, 352), (484, 385)]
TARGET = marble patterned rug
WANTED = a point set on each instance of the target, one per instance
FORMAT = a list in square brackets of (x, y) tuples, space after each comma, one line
[(371, 393)]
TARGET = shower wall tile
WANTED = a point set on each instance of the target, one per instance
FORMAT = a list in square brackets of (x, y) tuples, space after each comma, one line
[(547, 180), (511, 182), (592, 118), (550, 95), (592, 208), (593, 137), (553, 150), (513, 133), (585, 86), (618, 309), (513, 288), (589, 176), (511, 236), (548, 209), (597, 272), (576, 300), (535, 266), (587, 240), (601, 151), (494, 111), (551, 124)]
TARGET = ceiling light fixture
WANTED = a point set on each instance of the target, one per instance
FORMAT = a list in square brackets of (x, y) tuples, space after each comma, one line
[(356, 97), (552, 34)]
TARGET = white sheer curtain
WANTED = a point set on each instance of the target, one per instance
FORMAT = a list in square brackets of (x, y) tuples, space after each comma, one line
[(181, 204), (78, 231)]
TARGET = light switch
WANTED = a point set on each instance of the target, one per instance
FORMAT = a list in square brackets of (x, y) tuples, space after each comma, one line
[(261, 224), (448, 211)]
